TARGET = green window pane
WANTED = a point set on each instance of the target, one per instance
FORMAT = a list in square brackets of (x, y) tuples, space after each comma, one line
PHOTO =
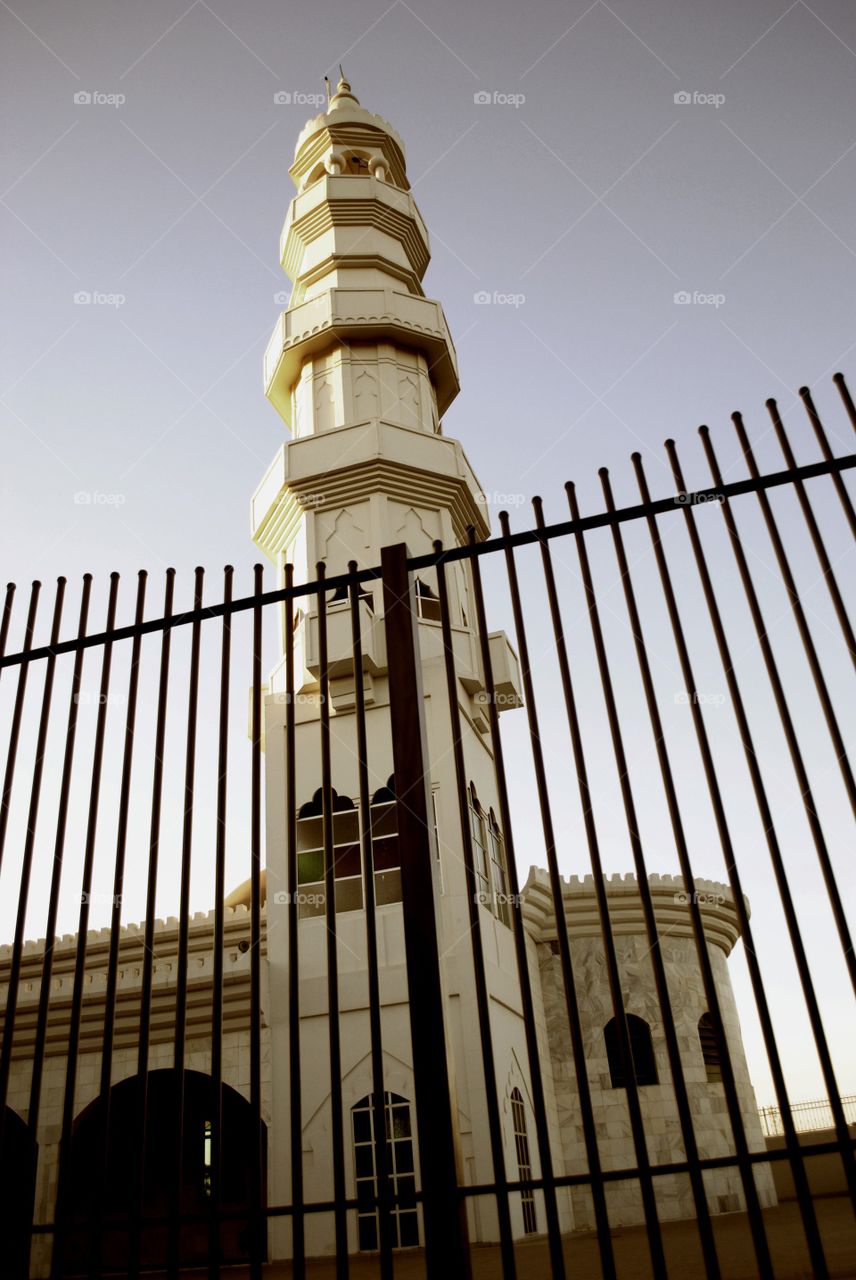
[(310, 867)]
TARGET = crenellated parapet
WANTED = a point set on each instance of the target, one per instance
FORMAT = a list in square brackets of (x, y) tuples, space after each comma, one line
[(668, 894), (132, 961)]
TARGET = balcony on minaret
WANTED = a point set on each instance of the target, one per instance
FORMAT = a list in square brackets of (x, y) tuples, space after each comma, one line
[(353, 225), (358, 316), (340, 649)]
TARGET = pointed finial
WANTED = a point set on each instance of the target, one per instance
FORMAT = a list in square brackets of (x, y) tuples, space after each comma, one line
[(343, 92)]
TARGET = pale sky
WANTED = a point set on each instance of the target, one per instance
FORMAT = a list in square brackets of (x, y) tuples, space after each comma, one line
[(628, 153)]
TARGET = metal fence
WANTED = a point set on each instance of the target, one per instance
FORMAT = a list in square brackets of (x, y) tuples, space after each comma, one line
[(58, 813), (808, 1117)]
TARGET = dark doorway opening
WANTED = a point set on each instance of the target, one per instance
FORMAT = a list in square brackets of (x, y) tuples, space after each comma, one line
[(116, 1183), (18, 1159)]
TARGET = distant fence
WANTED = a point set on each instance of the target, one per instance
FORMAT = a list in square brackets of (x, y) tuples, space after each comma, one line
[(807, 1116)]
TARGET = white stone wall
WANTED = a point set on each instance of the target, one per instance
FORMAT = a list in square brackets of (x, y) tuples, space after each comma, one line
[(659, 1109)]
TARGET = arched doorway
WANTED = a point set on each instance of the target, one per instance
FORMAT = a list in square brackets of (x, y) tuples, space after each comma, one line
[(116, 1182), (18, 1158)]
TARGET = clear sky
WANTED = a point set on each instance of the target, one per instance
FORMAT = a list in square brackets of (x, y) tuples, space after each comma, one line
[(627, 153)]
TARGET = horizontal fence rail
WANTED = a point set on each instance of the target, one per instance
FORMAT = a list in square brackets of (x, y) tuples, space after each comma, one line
[(352, 1021), (808, 1117)]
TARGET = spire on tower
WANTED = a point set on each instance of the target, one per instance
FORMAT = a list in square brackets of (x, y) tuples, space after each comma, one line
[(343, 92)]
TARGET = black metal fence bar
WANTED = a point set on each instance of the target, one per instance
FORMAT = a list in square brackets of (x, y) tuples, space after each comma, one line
[(773, 1057), (337, 1129), (257, 1224), (56, 873), (539, 1105), (509, 1269), (814, 532), (298, 1235), (820, 434), (18, 709), (179, 1056), (64, 1169), (753, 1205), (27, 862), (799, 616), (138, 1173), (216, 1106), (446, 1233), (637, 1126), (115, 935), (382, 1152), (707, 1241), (809, 806)]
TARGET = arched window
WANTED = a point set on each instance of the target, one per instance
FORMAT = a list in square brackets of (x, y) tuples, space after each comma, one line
[(115, 1183), (524, 1160), (499, 876), (18, 1155), (402, 1177), (709, 1048), (385, 852), (641, 1049), (347, 860), (347, 853), (489, 860)]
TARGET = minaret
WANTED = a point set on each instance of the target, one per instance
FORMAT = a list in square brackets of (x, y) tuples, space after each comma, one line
[(361, 365), (361, 368)]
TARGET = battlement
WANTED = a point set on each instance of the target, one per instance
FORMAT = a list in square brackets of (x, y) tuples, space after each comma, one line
[(669, 896), (201, 925)]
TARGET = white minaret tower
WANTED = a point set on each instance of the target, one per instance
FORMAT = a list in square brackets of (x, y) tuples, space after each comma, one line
[(361, 368)]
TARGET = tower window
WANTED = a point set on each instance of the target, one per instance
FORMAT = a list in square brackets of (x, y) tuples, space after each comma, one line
[(401, 1180), (709, 1048), (524, 1160), (347, 853), (427, 603), (641, 1051), (489, 860)]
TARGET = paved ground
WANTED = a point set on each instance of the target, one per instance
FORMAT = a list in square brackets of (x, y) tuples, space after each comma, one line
[(784, 1232)]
